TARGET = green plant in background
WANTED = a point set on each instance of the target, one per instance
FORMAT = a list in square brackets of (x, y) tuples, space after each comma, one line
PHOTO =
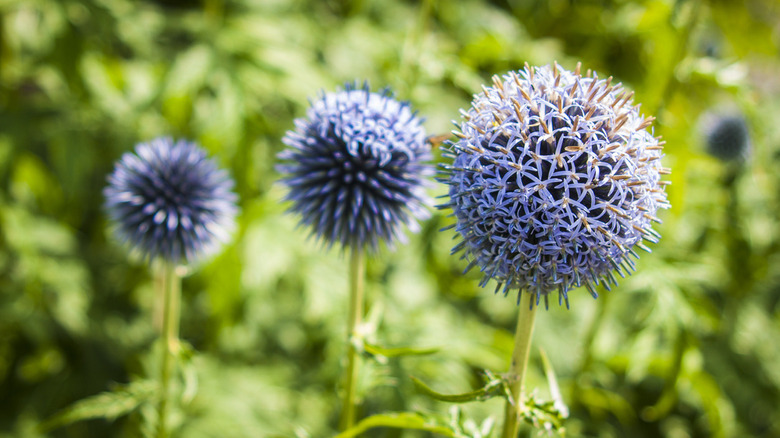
[(356, 169), (684, 347)]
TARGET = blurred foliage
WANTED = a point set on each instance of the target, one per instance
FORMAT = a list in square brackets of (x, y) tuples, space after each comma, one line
[(684, 348)]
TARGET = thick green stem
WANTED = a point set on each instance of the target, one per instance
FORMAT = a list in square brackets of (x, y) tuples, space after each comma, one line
[(523, 334), (356, 298), (171, 291)]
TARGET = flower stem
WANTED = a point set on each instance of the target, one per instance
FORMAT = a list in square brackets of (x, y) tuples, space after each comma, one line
[(356, 298), (523, 334), (171, 291)]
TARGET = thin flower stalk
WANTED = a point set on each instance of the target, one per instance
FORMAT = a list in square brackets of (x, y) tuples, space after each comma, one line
[(171, 292), (354, 337), (517, 369)]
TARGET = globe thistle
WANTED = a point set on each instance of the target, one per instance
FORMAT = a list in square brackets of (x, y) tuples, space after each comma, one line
[(555, 180), (169, 201), (726, 135), (355, 167)]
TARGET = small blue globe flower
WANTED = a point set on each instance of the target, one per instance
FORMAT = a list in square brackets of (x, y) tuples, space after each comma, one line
[(355, 168), (727, 136), (555, 179), (169, 201)]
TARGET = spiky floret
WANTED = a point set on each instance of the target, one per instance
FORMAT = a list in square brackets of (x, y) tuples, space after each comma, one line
[(169, 201), (355, 168), (555, 180)]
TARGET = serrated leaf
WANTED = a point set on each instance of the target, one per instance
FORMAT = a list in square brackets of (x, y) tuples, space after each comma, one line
[(398, 420), (493, 388), (109, 405), (376, 350), (465, 427), (543, 415)]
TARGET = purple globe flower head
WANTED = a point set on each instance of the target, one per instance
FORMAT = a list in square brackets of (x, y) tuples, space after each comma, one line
[(355, 168), (555, 180), (169, 201), (727, 136)]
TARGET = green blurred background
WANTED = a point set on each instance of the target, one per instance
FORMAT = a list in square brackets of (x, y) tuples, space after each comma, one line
[(687, 347)]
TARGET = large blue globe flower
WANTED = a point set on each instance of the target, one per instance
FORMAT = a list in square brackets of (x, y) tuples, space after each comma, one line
[(555, 179), (355, 168), (170, 201)]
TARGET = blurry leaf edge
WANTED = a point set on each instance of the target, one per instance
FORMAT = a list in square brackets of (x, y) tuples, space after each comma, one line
[(109, 405), (398, 420)]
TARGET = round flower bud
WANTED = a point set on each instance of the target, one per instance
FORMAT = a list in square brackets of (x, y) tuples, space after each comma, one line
[(555, 180), (355, 168), (169, 201), (726, 135)]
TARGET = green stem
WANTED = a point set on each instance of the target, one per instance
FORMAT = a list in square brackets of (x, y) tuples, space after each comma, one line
[(171, 291), (356, 298), (523, 334)]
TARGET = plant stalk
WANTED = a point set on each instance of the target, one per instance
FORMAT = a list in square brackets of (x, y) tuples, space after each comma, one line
[(522, 349), (171, 291), (356, 303)]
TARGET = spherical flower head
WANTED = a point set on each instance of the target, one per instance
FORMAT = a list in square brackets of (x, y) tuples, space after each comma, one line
[(555, 179), (726, 135), (169, 201), (355, 168)]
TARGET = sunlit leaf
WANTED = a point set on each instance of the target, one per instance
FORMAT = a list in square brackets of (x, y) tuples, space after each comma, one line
[(108, 405), (398, 351), (552, 383), (493, 388), (401, 420)]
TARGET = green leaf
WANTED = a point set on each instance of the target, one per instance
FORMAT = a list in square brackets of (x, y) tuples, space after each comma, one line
[(552, 382), (467, 427), (376, 350), (494, 387), (189, 71), (543, 415), (397, 420), (109, 405), (189, 373)]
